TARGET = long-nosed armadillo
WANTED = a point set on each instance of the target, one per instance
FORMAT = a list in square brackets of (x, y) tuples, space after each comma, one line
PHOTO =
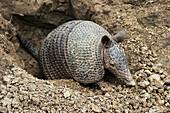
[(82, 50)]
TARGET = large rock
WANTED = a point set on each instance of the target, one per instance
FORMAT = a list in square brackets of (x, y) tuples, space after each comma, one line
[(8, 32), (22, 7)]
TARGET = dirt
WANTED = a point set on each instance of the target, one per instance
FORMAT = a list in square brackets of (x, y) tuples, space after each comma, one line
[(146, 46)]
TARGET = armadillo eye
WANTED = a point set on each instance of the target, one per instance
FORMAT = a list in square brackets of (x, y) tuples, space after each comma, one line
[(112, 63)]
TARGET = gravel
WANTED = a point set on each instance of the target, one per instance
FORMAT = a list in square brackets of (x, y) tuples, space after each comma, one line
[(21, 92)]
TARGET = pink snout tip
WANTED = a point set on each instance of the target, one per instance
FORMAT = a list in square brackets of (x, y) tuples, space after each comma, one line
[(131, 83)]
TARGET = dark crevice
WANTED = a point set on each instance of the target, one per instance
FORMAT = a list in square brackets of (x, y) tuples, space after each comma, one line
[(136, 3), (33, 21)]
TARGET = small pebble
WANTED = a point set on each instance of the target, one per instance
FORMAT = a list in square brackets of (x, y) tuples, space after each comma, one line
[(107, 95), (6, 78), (143, 84), (154, 77), (95, 108), (148, 72), (160, 102), (67, 94), (167, 80)]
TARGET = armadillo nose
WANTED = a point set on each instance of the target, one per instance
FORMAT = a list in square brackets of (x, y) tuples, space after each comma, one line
[(131, 83)]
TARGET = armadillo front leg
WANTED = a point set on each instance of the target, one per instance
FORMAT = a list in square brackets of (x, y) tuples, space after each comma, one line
[(88, 77), (105, 86)]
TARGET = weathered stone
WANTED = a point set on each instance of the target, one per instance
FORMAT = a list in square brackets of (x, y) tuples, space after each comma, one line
[(143, 83), (6, 102), (154, 77), (148, 72), (67, 94), (95, 108), (7, 79), (167, 80)]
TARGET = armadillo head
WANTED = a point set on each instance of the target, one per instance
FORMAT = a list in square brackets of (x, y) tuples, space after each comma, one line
[(115, 60), (117, 64)]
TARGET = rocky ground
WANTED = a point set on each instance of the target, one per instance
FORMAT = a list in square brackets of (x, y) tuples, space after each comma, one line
[(22, 88)]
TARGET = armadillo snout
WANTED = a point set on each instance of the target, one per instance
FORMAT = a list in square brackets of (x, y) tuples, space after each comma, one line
[(128, 79), (131, 83)]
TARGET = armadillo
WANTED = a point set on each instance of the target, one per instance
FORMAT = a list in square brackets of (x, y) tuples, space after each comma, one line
[(82, 50)]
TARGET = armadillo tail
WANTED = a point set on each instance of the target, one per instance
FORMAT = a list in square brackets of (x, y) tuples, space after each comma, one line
[(30, 47)]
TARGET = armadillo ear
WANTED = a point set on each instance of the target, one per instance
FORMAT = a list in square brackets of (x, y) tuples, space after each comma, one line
[(119, 37), (106, 41)]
